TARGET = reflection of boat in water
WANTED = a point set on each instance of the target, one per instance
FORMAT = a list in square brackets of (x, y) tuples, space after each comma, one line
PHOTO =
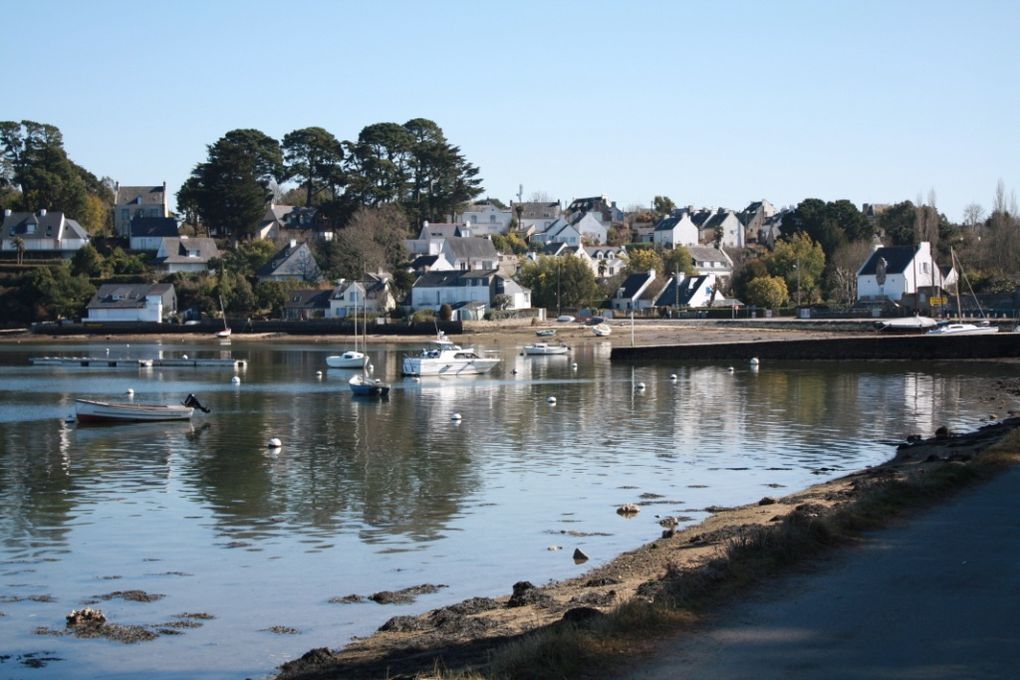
[(601, 330), (984, 328), (363, 386), (545, 349), (443, 357), (88, 411)]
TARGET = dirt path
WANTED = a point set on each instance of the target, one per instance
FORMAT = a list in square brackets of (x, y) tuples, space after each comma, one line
[(934, 597)]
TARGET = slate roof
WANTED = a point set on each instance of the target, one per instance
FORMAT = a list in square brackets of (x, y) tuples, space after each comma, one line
[(716, 220), (126, 295), (177, 249), (667, 223), (449, 279), (538, 211), (652, 291), (153, 227), (288, 261), (606, 251), (632, 284), (472, 248), (309, 298), (145, 195), (897, 259), (423, 261), (440, 230), (670, 295), (52, 225), (708, 254)]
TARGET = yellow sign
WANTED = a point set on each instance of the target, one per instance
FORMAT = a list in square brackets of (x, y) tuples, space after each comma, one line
[(938, 301)]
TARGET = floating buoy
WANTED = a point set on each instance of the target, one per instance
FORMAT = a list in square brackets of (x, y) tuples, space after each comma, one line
[(318, 374), (274, 443), (70, 418), (754, 361), (185, 357), (551, 400), (130, 392), (672, 376), (235, 380), (456, 417), (730, 369), (415, 379), (641, 386), (574, 365)]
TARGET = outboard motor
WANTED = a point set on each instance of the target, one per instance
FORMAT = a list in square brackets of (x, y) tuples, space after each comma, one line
[(193, 402)]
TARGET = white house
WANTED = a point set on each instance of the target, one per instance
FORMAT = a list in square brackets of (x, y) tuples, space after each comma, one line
[(475, 287), (138, 201), (638, 291), (41, 232), (473, 252), (147, 233), (373, 295), (676, 230), (711, 260), (535, 217), (294, 262), (891, 272), (689, 291), (184, 254), (584, 230), (132, 302), (606, 261), (723, 228), (486, 219), (432, 235)]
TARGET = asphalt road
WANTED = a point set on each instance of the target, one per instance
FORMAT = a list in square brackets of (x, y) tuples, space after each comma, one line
[(936, 596)]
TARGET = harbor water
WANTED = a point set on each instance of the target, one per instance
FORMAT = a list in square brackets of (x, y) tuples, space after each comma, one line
[(366, 495)]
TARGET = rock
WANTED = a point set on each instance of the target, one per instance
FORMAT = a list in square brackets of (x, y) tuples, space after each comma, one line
[(628, 509), (595, 599), (602, 581), (942, 432), (404, 624), (315, 658), (933, 458), (668, 522), (668, 533), (767, 500), (474, 605), (405, 595), (526, 593), (86, 617), (579, 555), (581, 615), (912, 438)]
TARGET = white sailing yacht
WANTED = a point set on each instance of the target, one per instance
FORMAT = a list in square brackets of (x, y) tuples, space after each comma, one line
[(352, 358)]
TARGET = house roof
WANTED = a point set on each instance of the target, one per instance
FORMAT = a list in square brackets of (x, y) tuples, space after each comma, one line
[(616, 251), (374, 285), (717, 219), (153, 227), (423, 261), (632, 284), (52, 225), (708, 254), (439, 230), (449, 279), (144, 195), (309, 298), (671, 294), (897, 259), (538, 211), (291, 260), (177, 249), (653, 290), (472, 248), (126, 295)]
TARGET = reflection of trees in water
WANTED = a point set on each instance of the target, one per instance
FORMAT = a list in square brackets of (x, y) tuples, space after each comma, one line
[(346, 464)]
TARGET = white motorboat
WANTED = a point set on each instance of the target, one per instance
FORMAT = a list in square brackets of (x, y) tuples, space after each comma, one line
[(91, 411), (964, 329), (443, 357), (545, 349), (907, 324), (601, 330)]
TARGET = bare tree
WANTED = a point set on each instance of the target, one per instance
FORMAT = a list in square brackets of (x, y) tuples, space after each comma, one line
[(972, 215), (845, 262)]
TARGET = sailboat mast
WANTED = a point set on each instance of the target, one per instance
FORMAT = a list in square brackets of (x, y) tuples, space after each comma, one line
[(959, 275)]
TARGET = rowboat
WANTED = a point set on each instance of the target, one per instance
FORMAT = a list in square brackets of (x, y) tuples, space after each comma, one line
[(91, 411), (545, 349)]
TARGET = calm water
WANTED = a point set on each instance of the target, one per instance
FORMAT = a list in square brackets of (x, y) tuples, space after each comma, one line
[(381, 495)]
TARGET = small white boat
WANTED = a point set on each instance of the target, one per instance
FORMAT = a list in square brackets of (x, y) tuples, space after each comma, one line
[(352, 358), (964, 329), (225, 333), (565, 318), (91, 411), (601, 330), (907, 324), (363, 386), (443, 357), (546, 332), (545, 349)]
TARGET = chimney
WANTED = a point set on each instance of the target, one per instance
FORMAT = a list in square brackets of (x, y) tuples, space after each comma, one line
[(42, 212), (293, 243), (7, 212)]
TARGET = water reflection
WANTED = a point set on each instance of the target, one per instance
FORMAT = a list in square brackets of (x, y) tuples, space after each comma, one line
[(392, 492)]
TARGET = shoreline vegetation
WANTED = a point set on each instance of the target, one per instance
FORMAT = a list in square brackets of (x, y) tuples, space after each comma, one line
[(590, 625)]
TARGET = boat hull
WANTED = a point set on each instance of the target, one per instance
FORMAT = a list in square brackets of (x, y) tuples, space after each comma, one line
[(88, 411), (362, 387), (418, 367), (542, 349), (349, 359)]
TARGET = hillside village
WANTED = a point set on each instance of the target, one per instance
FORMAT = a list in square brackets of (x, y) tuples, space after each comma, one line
[(143, 259)]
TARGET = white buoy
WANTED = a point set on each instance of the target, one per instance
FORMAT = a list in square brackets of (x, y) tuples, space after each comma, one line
[(274, 443), (754, 361), (641, 386), (415, 379), (185, 357), (456, 417), (574, 365), (318, 374), (235, 380), (730, 369), (672, 376), (551, 400), (130, 392)]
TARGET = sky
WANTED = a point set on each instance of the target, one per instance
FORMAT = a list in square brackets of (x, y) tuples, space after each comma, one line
[(710, 103)]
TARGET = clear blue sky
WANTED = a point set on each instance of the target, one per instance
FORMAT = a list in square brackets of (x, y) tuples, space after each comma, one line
[(710, 103)]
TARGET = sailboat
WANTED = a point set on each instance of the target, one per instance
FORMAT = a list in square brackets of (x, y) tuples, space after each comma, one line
[(958, 327), (352, 358), (225, 333)]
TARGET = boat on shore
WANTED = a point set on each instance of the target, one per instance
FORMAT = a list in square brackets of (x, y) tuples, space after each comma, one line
[(957, 328), (545, 349), (907, 324), (443, 357), (364, 386), (89, 411), (546, 332), (601, 330)]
